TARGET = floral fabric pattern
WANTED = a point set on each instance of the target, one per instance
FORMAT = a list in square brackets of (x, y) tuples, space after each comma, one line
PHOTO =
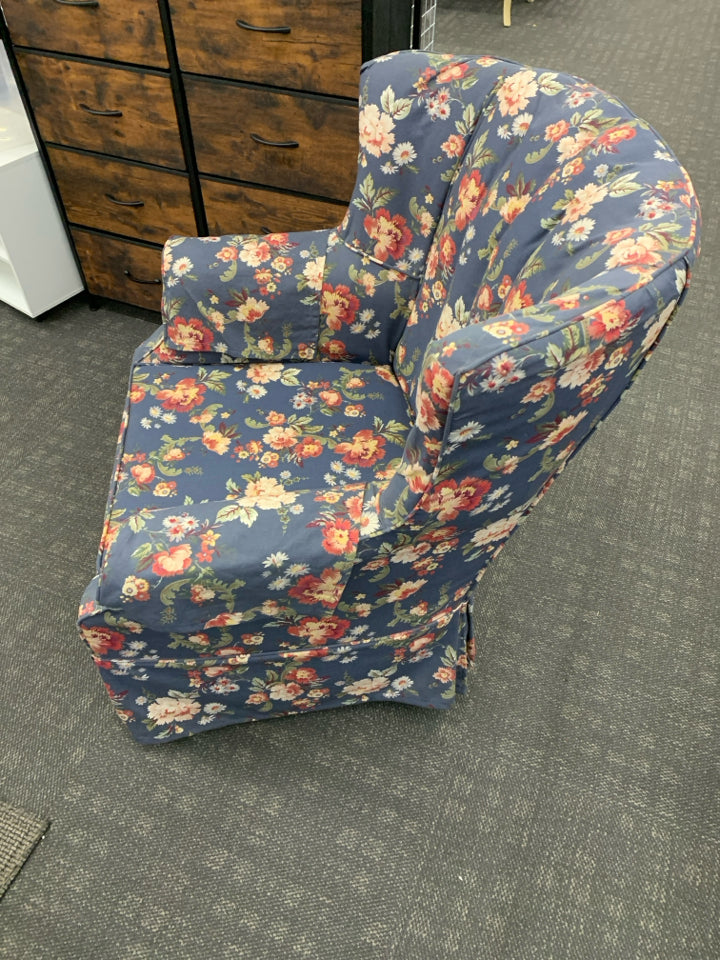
[(333, 432)]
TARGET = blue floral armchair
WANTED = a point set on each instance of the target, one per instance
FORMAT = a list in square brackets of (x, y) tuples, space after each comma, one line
[(333, 432)]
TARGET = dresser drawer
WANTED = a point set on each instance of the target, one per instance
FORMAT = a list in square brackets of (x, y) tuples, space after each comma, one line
[(282, 140), (120, 111), (234, 208), (302, 44), (123, 197), (120, 269), (112, 29)]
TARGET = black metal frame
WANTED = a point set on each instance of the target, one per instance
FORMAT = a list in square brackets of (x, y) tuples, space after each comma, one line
[(183, 118), (387, 26)]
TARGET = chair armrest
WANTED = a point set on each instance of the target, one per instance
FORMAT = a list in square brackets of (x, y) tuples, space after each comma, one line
[(249, 297), (284, 554)]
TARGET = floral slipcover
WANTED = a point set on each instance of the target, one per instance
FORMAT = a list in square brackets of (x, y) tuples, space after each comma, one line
[(333, 432)]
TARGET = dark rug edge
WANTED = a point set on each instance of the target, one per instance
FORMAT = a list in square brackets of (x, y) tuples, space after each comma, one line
[(20, 832)]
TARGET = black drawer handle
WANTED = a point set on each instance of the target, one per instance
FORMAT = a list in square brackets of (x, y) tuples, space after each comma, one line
[(251, 26), (125, 203), (100, 113), (288, 144), (79, 3), (137, 279)]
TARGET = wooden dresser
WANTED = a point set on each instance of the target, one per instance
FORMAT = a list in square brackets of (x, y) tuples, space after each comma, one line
[(194, 117)]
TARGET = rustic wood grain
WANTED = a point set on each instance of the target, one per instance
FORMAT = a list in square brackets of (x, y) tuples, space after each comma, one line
[(114, 30), (87, 184), (223, 117), (105, 260), (234, 208), (147, 129), (322, 51)]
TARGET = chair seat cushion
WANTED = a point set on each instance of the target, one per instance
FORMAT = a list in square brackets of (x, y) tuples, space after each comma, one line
[(198, 434)]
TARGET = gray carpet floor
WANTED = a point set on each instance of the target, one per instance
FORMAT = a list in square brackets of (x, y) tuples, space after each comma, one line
[(566, 809)]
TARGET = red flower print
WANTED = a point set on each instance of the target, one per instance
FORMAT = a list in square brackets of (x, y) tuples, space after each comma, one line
[(355, 506), (224, 620), (174, 454), (364, 450), (427, 416), (516, 92), (254, 252), (446, 534), (570, 301), (517, 298), (484, 298), (539, 390), (445, 674), (285, 691), (168, 563), (454, 146), (637, 254), (610, 321), (506, 328), (326, 589), (556, 431), (333, 398), (308, 447), (615, 236), (390, 233), (514, 206), (143, 473), (440, 381), (616, 135), (450, 498), (302, 675), (260, 697), (470, 196), (376, 130), (102, 639), (340, 537), (573, 167), (190, 335), (334, 350), (592, 390), (447, 250), (281, 437), (184, 396), (453, 71), (556, 131), (250, 309), (338, 305), (166, 488), (216, 441), (421, 642)]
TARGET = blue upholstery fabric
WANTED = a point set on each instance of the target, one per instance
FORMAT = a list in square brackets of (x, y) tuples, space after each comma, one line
[(333, 432)]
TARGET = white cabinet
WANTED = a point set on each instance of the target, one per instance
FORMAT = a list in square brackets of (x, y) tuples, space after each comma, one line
[(37, 267)]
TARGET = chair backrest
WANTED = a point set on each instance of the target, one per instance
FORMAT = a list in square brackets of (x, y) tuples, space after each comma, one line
[(560, 239)]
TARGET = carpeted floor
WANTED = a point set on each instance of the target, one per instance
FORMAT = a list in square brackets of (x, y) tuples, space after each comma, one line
[(566, 809)]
